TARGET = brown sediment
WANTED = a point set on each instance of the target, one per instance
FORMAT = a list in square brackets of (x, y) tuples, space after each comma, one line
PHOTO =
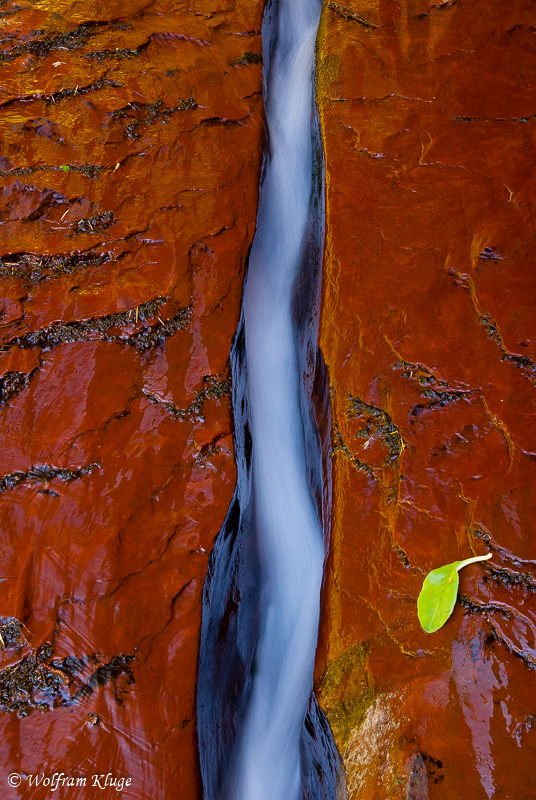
[(428, 332)]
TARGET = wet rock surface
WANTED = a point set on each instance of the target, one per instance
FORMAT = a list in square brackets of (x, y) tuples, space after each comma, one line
[(428, 336), (128, 191)]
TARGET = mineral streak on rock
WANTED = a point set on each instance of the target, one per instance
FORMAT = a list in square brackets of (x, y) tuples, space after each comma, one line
[(428, 335), (129, 176)]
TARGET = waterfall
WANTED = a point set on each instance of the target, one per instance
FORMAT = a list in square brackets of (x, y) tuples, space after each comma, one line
[(261, 733)]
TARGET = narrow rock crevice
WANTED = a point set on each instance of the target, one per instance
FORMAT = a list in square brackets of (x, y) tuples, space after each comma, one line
[(39, 682), (522, 362), (261, 731), (348, 14), (44, 473), (98, 328), (35, 268), (12, 383)]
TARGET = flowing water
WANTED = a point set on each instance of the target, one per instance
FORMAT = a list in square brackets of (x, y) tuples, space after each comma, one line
[(264, 582), (285, 520)]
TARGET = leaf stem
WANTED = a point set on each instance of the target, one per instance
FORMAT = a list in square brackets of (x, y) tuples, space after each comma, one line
[(472, 561)]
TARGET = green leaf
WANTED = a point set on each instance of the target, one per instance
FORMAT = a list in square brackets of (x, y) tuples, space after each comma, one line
[(65, 167), (438, 594), (437, 597)]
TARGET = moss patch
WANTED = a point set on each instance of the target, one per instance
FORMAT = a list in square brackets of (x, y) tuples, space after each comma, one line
[(89, 170), (436, 394), (33, 268), (73, 91), (117, 54), (12, 383), (47, 43), (247, 58), (213, 389), (41, 683), (98, 223), (346, 691), (377, 422), (135, 115), (521, 362), (340, 446), (101, 328), (44, 474)]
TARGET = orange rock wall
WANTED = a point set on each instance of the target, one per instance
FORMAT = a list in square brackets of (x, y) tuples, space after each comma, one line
[(428, 332), (131, 146)]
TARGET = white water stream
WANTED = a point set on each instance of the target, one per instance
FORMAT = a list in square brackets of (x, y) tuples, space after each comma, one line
[(284, 520)]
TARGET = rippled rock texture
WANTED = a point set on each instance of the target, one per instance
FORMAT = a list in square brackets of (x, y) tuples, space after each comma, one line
[(132, 137), (428, 332)]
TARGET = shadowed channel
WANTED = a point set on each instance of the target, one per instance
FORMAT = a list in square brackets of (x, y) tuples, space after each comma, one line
[(262, 595)]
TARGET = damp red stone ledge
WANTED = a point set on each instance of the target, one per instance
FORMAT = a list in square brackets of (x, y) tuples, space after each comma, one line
[(428, 336), (128, 176)]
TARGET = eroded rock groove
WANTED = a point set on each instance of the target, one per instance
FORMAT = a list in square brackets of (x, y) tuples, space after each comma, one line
[(261, 732)]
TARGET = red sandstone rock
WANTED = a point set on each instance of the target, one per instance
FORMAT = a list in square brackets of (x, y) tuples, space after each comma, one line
[(128, 192), (428, 334)]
